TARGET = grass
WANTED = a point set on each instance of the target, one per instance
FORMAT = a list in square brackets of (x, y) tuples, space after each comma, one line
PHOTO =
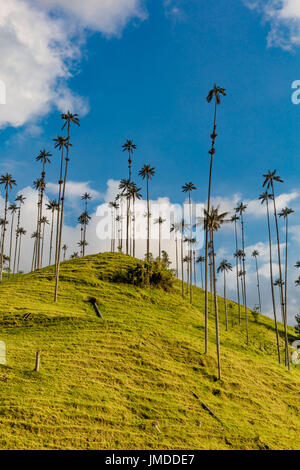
[(127, 382)]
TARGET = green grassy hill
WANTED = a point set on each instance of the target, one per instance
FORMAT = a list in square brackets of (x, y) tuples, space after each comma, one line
[(127, 382)]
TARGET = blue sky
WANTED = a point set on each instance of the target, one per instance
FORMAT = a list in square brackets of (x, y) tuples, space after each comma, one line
[(144, 74)]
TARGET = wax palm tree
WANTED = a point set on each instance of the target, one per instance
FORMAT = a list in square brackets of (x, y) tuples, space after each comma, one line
[(34, 236), (64, 249), (84, 220), (22, 233), (74, 255), (43, 158), (69, 119), (187, 189), (285, 213), (86, 197), (182, 231), (129, 147), (124, 187), (234, 219), (240, 209), (82, 244), (20, 199), (43, 222), (255, 255), (134, 194), (213, 221), (53, 207), (297, 282), (159, 221), (264, 199), (269, 179), (201, 260), (147, 172), (13, 208), (225, 267), (62, 144), (8, 182), (214, 94), (176, 229)]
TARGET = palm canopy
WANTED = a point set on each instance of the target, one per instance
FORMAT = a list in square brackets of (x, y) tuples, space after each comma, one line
[(39, 184), (13, 208), (224, 266), (188, 187), (21, 231), (286, 212), (147, 172), (61, 142), (255, 253), (134, 191), (124, 186), (297, 265), (129, 147), (270, 177), (200, 259), (278, 282), (239, 254), (234, 218), (52, 205), (214, 219), (70, 118), (43, 157), (264, 197), (86, 197), (20, 198), (159, 220), (297, 282), (240, 208), (44, 220), (216, 91), (8, 181)]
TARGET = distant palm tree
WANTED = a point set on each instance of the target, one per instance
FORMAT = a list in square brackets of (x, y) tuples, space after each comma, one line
[(22, 232), (213, 221), (44, 158), (176, 229), (188, 188), (201, 260), (53, 207), (34, 236), (224, 267), (265, 198), (8, 182), (159, 221), (216, 94), (182, 230), (64, 249), (285, 213), (86, 197), (147, 172), (69, 118), (234, 219), (124, 187), (84, 220), (254, 255), (38, 186), (269, 179), (13, 209), (129, 147), (134, 194), (74, 255), (297, 282), (82, 244), (43, 222), (20, 199), (240, 209)]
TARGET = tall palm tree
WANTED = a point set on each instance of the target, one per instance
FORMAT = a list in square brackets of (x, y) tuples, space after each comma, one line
[(201, 260), (43, 158), (159, 221), (53, 207), (264, 199), (13, 209), (22, 232), (176, 229), (215, 93), (20, 199), (240, 209), (8, 182), (255, 255), (84, 220), (187, 189), (285, 213), (62, 144), (74, 255), (225, 267), (134, 194), (82, 244), (269, 179), (234, 219), (147, 172), (213, 221), (69, 119), (43, 222), (182, 231), (86, 197), (64, 249), (129, 147), (39, 187), (34, 236)]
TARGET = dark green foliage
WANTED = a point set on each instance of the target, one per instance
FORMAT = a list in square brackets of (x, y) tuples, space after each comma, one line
[(153, 273), (297, 327)]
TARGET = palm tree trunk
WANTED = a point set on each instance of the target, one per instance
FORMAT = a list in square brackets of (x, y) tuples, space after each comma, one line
[(11, 241), (201, 270), (244, 280), (237, 273), (195, 275), (60, 182), (3, 234), (225, 301), (159, 241), (258, 286), (207, 229), (17, 238), (51, 236), (127, 226), (176, 249), (191, 255), (287, 359), (133, 227), (182, 267), (19, 253), (216, 308), (42, 250), (148, 222), (33, 255)]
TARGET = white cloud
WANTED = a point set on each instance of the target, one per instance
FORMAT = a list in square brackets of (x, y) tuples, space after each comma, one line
[(39, 50), (284, 19)]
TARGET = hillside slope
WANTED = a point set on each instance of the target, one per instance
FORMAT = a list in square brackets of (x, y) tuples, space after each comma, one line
[(127, 382)]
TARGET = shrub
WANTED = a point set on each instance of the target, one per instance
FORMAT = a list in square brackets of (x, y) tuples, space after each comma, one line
[(144, 273)]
